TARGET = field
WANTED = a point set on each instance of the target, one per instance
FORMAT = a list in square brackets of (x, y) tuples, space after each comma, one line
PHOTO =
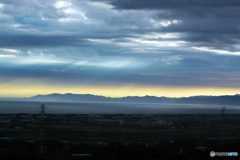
[(122, 134)]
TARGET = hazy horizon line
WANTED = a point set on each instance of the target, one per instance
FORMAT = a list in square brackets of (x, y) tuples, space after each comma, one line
[(120, 97)]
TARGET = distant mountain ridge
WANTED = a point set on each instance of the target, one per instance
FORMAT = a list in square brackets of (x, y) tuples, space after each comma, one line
[(68, 97), (225, 100)]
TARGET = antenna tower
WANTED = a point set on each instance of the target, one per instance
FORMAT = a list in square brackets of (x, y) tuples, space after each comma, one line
[(223, 110), (42, 149)]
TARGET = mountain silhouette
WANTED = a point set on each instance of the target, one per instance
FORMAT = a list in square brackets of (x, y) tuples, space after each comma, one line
[(69, 97), (217, 100)]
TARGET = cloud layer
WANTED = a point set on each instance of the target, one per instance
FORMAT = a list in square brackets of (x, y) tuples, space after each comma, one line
[(121, 42)]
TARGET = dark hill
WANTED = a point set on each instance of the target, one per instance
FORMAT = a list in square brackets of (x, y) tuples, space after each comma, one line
[(217, 100)]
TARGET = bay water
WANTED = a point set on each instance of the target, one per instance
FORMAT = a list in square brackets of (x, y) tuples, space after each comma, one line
[(32, 107)]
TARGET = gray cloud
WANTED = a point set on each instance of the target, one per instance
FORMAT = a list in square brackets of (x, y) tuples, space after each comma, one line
[(207, 22), (152, 42), (36, 41), (172, 4)]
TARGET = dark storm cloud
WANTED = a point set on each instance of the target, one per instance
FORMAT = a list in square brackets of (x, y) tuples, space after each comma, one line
[(201, 12), (204, 23), (209, 32), (172, 4), (212, 23)]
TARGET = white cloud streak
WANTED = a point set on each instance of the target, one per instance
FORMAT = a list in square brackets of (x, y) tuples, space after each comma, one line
[(10, 50), (102, 63), (31, 53), (111, 64), (207, 49), (7, 56)]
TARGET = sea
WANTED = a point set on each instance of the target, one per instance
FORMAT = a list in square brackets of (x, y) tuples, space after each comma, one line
[(33, 107)]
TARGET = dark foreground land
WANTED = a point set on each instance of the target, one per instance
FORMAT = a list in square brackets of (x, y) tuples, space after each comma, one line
[(119, 136)]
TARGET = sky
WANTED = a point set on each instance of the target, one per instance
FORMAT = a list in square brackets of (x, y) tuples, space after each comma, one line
[(117, 48)]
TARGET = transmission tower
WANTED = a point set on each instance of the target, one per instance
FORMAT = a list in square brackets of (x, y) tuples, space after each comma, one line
[(42, 149), (223, 110)]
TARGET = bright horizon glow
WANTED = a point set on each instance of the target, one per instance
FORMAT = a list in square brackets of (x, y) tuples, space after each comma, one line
[(20, 91)]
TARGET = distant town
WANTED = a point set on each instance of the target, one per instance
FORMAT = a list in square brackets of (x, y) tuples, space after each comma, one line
[(105, 136), (29, 122)]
